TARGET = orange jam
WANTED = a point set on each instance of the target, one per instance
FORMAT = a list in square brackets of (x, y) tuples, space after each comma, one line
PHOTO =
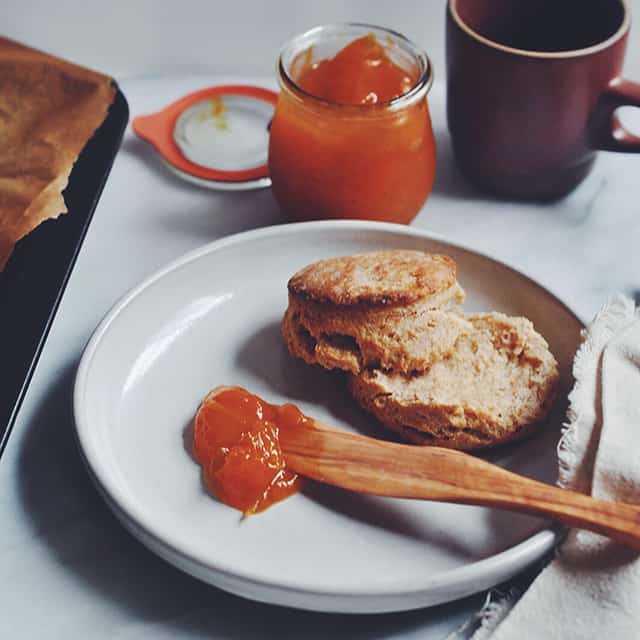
[(361, 73), (351, 135), (236, 441)]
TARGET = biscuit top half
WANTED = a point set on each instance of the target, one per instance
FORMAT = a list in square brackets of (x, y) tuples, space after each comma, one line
[(392, 277)]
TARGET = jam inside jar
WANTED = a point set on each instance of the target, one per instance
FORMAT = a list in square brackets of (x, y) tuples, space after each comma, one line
[(351, 136)]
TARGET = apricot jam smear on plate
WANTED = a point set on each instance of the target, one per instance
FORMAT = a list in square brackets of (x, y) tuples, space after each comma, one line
[(236, 441)]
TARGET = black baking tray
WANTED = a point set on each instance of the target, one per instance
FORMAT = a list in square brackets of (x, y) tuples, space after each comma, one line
[(34, 279)]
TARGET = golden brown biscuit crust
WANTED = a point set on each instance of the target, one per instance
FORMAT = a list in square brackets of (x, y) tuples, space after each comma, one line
[(392, 277)]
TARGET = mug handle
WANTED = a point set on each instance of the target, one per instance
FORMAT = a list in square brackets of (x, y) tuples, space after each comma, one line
[(608, 132)]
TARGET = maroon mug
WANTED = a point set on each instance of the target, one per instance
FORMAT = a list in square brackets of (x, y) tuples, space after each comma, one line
[(532, 89)]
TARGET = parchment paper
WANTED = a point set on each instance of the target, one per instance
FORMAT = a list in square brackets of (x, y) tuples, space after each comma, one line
[(49, 108)]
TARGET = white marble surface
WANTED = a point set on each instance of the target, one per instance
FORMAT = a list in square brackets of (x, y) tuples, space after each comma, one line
[(67, 567)]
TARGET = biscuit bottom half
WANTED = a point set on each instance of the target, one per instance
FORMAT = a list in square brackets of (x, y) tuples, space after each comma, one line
[(496, 386)]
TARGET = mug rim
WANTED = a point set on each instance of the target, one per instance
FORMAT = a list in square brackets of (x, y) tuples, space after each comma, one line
[(530, 53)]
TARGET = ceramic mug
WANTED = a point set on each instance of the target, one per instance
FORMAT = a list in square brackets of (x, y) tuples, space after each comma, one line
[(532, 89)]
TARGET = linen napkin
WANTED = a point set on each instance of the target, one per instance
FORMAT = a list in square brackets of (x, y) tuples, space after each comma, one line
[(592, 587)]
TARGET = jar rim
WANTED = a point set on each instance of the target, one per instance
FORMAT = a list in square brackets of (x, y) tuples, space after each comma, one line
[(419, 89)]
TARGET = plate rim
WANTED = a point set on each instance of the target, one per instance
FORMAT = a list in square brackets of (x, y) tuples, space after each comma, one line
[(338, 599)]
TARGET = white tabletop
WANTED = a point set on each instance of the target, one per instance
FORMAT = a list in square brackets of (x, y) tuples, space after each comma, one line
[(68, 568)]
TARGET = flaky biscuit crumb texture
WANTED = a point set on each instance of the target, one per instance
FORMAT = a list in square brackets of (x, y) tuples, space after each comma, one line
[(402, 339), (496, 386)]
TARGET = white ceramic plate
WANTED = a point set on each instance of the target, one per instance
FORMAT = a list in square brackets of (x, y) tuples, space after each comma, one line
[(213, 318)]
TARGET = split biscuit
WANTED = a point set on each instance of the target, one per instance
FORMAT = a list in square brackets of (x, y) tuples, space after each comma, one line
[(382, 309)]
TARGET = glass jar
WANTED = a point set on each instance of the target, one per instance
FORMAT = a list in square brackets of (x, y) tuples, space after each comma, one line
[(334, 160)]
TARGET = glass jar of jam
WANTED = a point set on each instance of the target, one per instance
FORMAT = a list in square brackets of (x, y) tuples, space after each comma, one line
[(351, 136)]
